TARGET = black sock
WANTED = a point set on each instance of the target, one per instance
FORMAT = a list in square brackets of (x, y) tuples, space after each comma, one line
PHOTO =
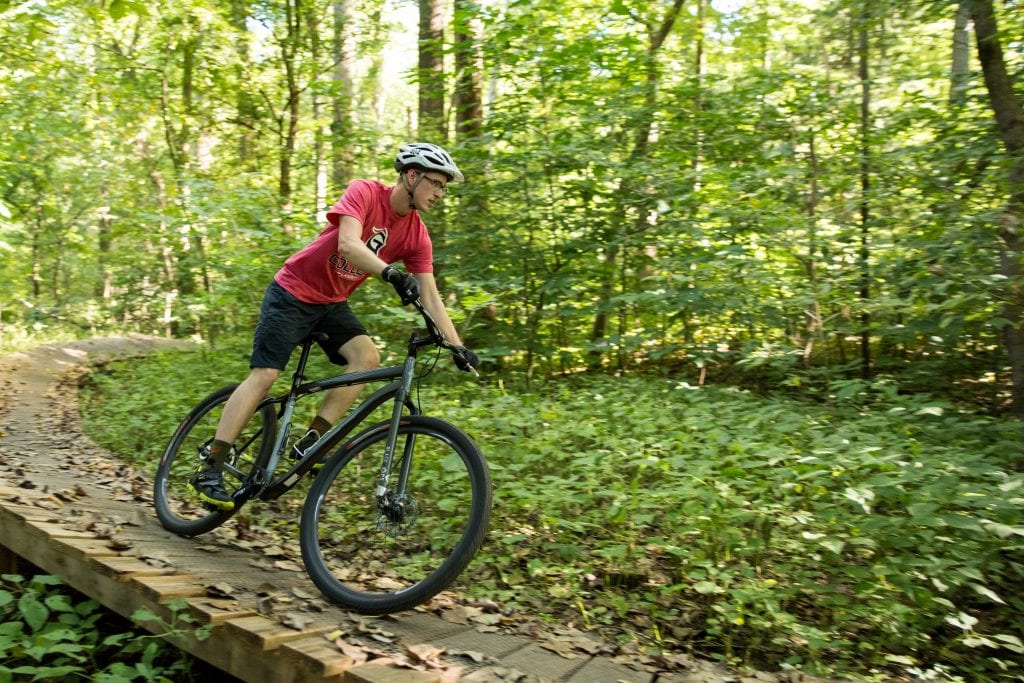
[(320, 425), (219, 451)]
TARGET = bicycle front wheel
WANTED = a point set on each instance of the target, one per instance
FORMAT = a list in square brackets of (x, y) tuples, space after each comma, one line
[(385, 553), (177, 507)]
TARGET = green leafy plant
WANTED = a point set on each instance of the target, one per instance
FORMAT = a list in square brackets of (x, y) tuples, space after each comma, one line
[(49, 633)]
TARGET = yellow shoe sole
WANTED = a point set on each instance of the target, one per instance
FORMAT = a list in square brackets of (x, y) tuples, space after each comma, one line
[(226, 505)]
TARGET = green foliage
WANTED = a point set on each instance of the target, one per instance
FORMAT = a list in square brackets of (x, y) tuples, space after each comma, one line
[(878, 533), (625, 205), (50, 633)]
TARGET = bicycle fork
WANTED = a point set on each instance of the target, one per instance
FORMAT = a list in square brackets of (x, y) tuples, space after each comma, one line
[(392, 503)]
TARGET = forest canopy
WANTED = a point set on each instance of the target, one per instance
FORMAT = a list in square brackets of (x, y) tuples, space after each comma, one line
[(787, 192)]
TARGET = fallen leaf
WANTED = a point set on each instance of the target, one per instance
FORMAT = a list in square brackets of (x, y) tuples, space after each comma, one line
[(221, 590), (120, 544), (560, 648), (156, 561), (427, 654), (456, 615), (487, 619), (478, 657), (353, 652), (299, 622)]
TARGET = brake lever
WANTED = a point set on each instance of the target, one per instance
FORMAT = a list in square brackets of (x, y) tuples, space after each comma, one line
[(455, 352), (435, 331)]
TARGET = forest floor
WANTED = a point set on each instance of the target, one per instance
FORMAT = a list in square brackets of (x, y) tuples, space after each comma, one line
[(39, 405)]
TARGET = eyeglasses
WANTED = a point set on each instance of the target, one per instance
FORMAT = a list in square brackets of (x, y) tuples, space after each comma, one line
[(438, 185)]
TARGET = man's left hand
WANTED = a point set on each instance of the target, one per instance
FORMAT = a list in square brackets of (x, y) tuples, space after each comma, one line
[(465, 359)]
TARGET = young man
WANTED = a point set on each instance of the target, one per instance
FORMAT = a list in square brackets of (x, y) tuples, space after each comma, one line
[(370, 227)]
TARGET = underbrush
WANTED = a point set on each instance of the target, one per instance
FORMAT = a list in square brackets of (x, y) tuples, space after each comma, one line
[(49, 632), (878, 536)]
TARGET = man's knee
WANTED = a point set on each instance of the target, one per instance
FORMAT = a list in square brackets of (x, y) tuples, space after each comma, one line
[(361, 353), (261, 379)]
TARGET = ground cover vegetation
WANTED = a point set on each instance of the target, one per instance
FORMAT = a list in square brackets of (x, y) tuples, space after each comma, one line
[(50, 632), (816, 203), (877, 534)]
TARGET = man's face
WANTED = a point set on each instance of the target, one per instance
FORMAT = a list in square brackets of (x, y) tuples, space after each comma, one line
[(428, 190)]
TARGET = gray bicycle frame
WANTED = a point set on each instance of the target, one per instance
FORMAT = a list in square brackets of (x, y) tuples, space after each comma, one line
[(261, 483)]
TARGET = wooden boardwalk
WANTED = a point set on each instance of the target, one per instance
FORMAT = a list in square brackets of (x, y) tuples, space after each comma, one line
[(71, 509)]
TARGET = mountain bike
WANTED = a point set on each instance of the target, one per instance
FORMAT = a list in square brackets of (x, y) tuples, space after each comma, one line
[(395, 513)]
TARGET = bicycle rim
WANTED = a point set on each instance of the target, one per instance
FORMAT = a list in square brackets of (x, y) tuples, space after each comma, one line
[(377, 561), (176, 506)]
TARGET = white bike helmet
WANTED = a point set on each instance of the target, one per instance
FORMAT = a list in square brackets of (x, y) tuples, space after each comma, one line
[(428, 157)]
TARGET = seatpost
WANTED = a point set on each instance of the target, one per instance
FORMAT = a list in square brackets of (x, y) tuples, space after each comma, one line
[(298, 376)]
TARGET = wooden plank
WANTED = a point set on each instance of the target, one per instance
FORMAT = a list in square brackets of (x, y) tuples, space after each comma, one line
[(418, 627), (493, 645), (536, 660), (53, 530), (126, 566), (212, 611), (379, 673), (29, 512), (600, 670), (317, 656), (160, 589), (266, 633), (86, 547)]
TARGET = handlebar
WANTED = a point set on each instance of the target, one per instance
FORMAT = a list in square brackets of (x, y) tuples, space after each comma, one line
[(437, 337)]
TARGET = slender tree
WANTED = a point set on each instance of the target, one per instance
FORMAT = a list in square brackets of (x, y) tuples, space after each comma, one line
[(1009, 116), (657, 33), (344, 90), (431, 120), (864, 22), (468, 104), (960, 71)]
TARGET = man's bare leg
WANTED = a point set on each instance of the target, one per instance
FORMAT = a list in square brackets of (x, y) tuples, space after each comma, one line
[(361, 354), (243, 402)]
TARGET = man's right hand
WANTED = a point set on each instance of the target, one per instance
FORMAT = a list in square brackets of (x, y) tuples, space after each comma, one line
[(406, 285)]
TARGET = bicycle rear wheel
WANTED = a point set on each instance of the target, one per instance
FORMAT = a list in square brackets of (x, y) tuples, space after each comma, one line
[(376, 558), (176, 506)]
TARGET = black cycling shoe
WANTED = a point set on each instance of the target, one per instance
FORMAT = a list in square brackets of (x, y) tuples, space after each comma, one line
[(208, 485), (303, 444)]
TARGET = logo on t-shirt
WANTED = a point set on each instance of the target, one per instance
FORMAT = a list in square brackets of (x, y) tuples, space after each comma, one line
[(378, 239)]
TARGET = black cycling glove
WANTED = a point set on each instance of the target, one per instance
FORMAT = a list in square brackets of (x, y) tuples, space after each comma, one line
[(465, 359), (406, 285)]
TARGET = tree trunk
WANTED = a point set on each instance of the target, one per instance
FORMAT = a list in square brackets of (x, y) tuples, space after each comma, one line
[(865, 189), (431, 126), (321, 132), (1009, 117), (289, 127), (960, 73), (341, 104), (468, 105), (245, 105), (656, 38), (813, 325)]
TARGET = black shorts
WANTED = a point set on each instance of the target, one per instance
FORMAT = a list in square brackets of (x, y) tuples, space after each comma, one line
[(285, 322)]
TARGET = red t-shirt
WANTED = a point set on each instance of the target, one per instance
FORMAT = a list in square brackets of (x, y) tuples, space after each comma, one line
[(318, 275)]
